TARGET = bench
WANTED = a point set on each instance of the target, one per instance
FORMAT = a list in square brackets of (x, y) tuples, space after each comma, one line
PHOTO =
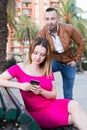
[(14, 116)]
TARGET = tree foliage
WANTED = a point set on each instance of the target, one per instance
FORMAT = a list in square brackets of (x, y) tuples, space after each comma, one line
[(11, 12), (25, 28), (72, 14), (68, 10)]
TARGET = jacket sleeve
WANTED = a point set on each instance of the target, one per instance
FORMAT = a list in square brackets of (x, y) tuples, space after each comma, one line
[(41, 33), (79, 41)]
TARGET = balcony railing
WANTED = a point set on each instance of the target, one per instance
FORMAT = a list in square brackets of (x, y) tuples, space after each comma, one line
[(53, 0), (26, 1)]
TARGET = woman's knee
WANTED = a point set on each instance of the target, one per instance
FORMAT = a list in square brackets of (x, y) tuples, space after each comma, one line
[(73, 106)]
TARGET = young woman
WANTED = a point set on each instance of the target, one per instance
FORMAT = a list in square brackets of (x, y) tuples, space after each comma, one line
[(40, 100)]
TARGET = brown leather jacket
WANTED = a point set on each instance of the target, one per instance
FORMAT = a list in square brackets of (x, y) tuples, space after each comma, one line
[(67, 33)]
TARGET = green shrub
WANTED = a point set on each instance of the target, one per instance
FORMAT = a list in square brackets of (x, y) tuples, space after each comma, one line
[(10, 62), (84, 65)]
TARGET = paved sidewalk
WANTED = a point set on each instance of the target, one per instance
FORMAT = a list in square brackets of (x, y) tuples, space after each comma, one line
[(80, 88)]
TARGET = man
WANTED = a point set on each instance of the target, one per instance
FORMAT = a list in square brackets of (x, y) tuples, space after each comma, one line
[(60, 36)]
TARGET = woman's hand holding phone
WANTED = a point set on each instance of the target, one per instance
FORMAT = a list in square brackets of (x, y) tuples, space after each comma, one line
[(34, 82), (35, 88)]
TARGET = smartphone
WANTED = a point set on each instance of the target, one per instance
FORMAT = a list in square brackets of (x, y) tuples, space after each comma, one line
[(35, 82)]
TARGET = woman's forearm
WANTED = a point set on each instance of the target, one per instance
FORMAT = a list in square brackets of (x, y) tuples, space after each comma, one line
[(48, 94), (8, 83)]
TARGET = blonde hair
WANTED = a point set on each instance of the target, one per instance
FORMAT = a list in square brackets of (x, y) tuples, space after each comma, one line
[(46, 65)]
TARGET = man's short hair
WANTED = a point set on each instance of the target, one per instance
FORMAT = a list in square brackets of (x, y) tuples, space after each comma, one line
[(51, 9)]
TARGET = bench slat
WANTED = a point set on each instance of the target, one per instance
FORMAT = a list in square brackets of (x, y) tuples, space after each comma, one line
[(24, 117), (9, 107), (1, 109), (69, 127), (33, 126)]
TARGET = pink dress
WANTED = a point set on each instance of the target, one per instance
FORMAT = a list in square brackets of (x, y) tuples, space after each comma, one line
[(47, 112)]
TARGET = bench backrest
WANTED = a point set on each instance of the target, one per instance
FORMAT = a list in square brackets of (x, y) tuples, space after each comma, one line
[(12, 109)]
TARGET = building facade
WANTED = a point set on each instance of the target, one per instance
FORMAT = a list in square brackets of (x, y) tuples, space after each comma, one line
[(34, 9)]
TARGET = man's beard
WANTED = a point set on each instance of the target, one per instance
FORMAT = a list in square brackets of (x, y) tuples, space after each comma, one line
[(54, 29)]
